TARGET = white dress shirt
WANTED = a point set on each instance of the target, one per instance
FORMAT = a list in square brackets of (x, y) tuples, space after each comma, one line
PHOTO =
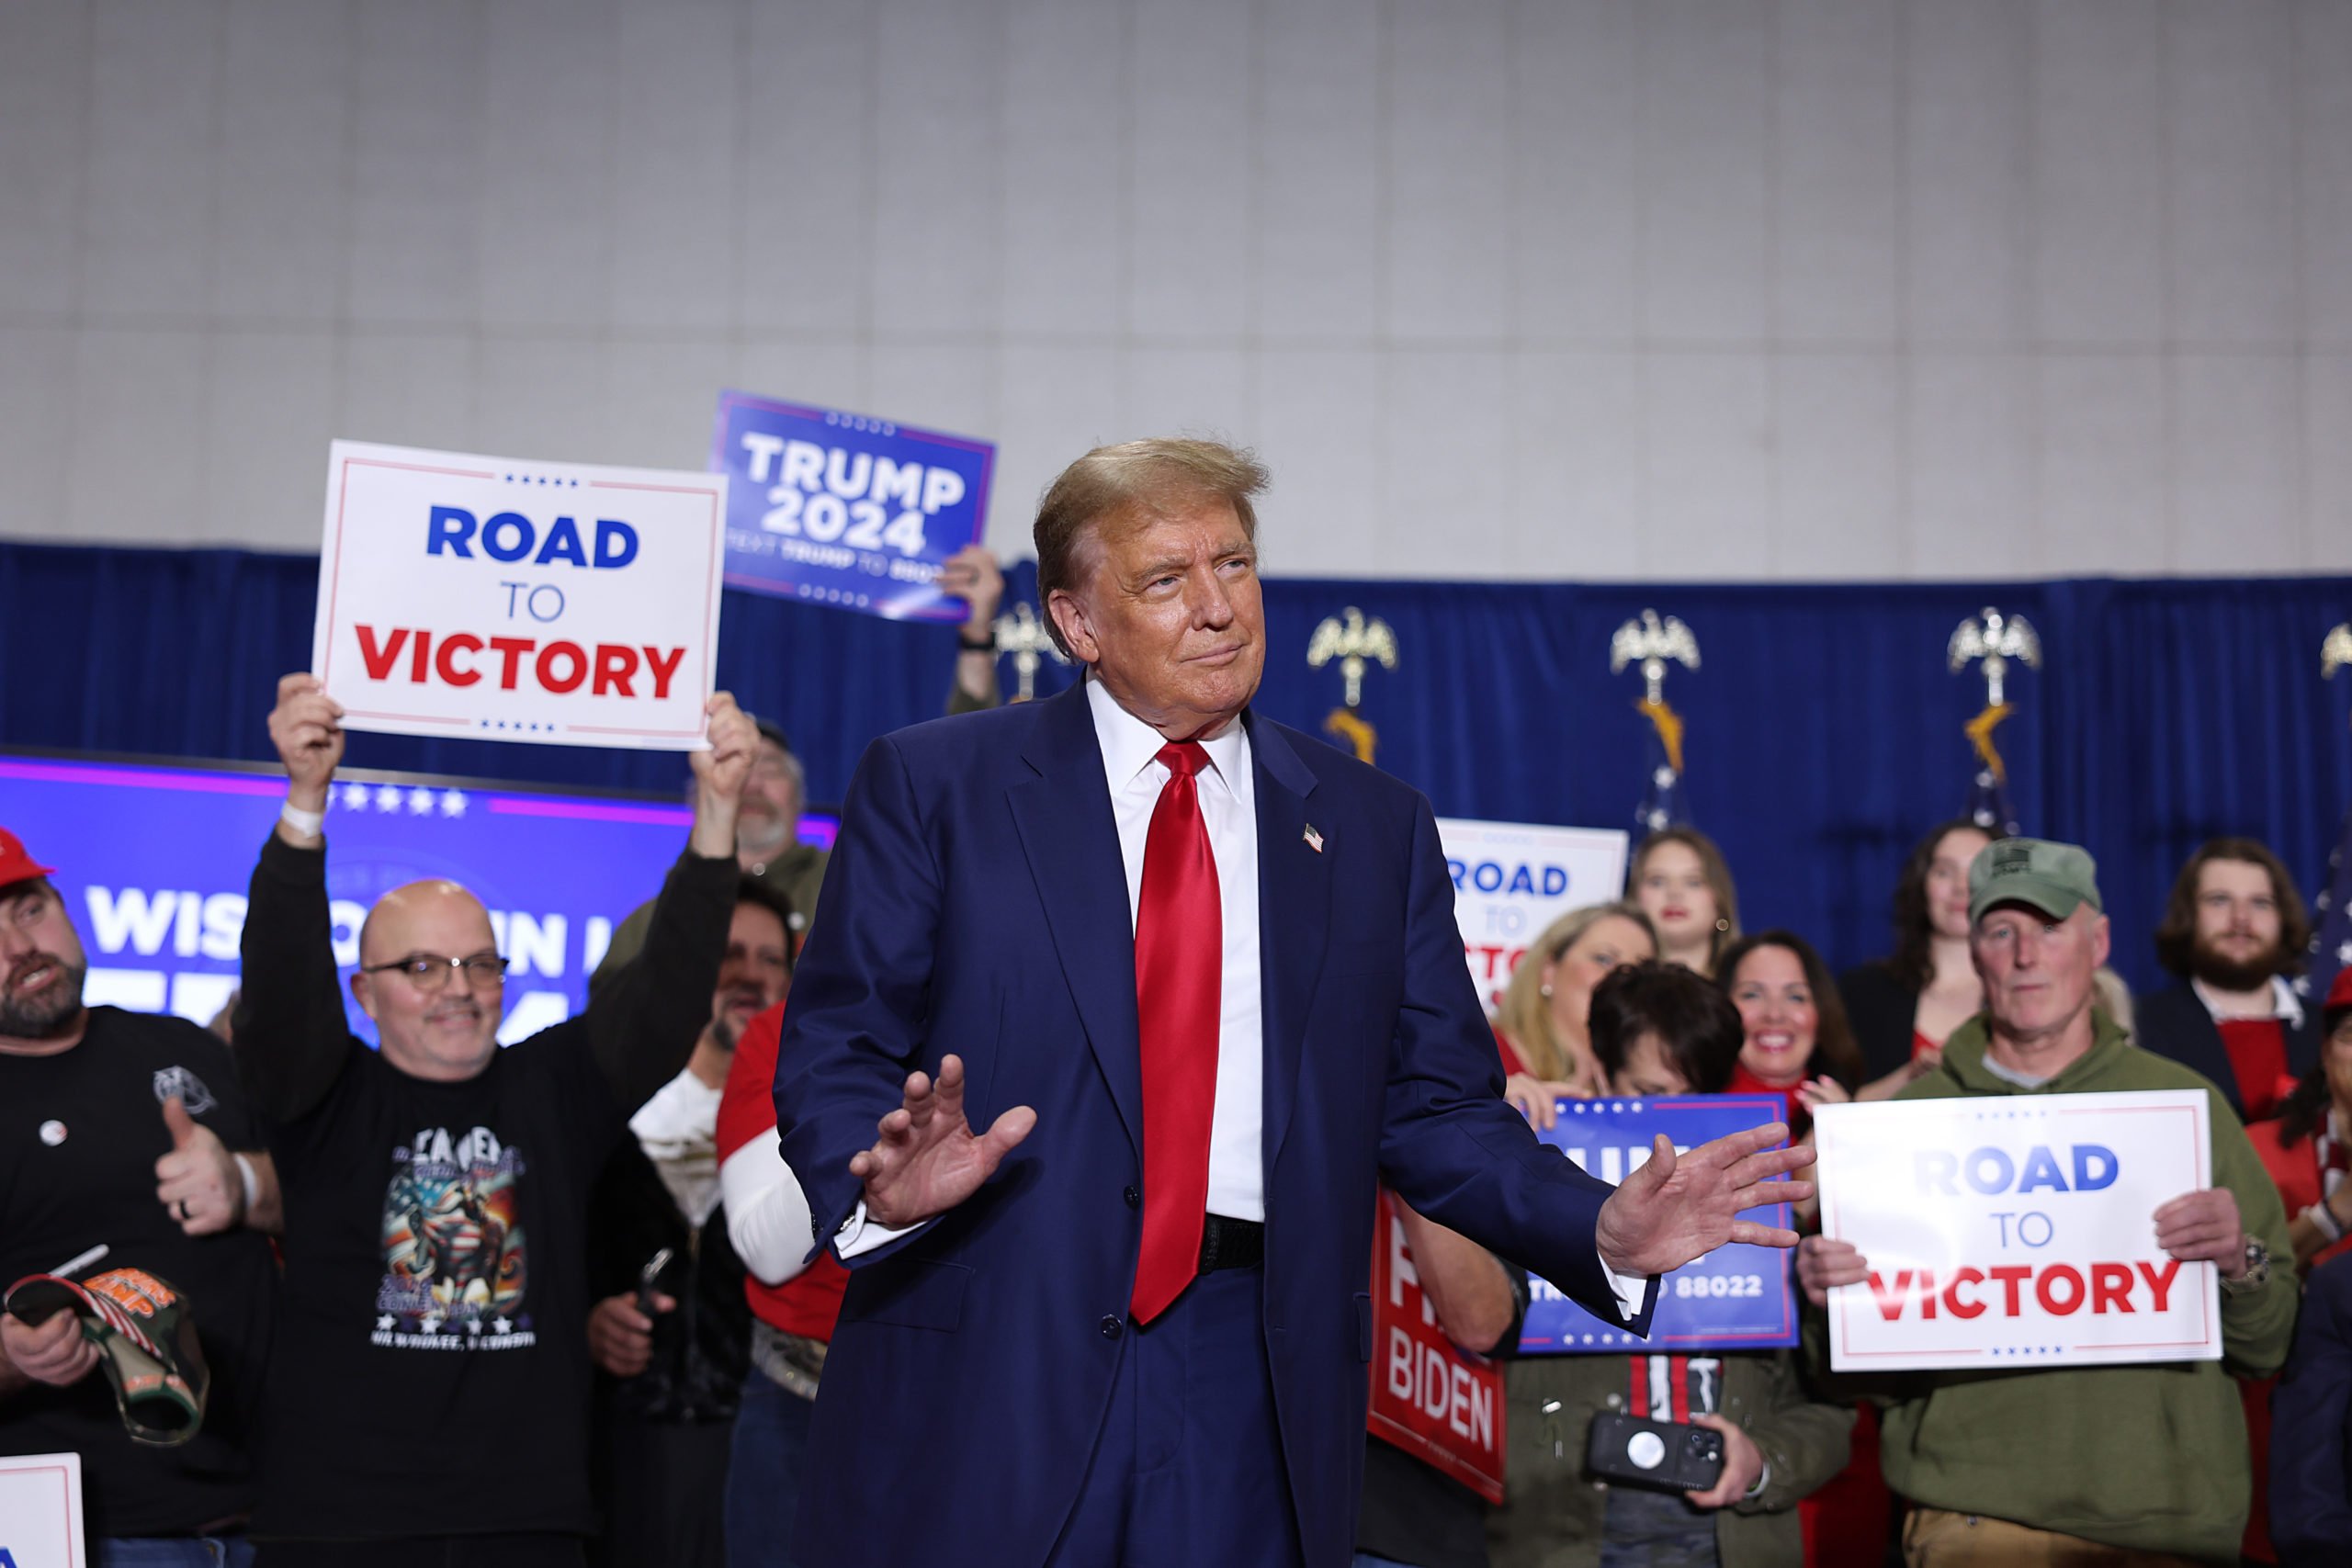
[(1229, 809)]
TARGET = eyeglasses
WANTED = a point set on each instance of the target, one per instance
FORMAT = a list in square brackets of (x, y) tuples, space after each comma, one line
[(431, 971)]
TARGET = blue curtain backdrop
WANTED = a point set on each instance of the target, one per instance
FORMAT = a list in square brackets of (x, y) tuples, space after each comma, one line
[(1825, 730)]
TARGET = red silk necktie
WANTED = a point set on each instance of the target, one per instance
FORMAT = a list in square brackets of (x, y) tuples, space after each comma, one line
[(1180, 969)]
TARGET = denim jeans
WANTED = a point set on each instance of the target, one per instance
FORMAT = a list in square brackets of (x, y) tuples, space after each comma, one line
[(171, 1551), (764, 1474)]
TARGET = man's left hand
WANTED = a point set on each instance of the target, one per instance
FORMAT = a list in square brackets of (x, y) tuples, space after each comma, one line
[(1677, 1208), (719, 772), (198, 1182), (2204, 1227), (1743, 1465)]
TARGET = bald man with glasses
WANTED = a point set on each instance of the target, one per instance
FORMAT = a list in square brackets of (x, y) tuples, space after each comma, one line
[(428, 1396)]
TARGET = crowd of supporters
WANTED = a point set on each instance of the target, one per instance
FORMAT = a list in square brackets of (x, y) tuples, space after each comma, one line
[(297, 1298)]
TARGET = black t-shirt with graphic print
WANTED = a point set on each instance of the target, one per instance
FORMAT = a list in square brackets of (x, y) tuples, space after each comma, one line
[(80, 1133), (431, 1375)]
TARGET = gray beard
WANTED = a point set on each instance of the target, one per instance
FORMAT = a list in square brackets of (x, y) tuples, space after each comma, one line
[(50, 1018), (723, 1034)]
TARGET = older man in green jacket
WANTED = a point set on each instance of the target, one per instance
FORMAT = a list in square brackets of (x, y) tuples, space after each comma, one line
[(2123, 1465)]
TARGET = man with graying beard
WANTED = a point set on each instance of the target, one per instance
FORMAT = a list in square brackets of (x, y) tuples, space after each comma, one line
[(2093, 1464), (437, 1189), (132, 1164)]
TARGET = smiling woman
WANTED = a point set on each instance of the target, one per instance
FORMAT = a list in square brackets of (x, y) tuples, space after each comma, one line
[(1795, 1024)]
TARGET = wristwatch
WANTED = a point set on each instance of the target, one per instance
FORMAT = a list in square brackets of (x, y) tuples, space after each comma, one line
[(2257, 1268)]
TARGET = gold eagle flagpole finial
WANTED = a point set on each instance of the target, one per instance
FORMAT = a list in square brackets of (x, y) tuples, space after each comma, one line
[(1357, 641), (1649, 642), (1023, 636), (2335, 651), (1995, 638)]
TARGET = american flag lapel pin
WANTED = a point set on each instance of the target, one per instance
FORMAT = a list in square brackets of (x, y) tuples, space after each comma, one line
[(1314, 838)]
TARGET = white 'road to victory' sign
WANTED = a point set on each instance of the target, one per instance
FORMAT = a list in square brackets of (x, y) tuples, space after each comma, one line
[(496, 599), (2016, 1231)]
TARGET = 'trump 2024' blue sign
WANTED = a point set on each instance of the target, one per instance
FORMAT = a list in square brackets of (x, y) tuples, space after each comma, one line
[(845, 510), (1735, 1298)]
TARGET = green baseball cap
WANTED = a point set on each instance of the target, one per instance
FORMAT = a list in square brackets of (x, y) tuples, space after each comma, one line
[(2054, 878)]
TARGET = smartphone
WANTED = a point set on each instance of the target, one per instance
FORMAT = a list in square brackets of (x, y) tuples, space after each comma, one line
[(1670, 1456), (647, 1276)]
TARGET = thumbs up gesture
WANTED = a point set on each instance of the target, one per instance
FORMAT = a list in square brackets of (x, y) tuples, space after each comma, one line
[(198, 1182)]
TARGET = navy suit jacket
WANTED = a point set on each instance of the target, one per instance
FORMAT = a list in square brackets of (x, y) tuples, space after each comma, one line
[(2173, 1022), (976, 903)]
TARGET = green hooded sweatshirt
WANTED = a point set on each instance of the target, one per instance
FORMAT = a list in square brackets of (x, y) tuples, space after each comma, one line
[(2151, 1458)]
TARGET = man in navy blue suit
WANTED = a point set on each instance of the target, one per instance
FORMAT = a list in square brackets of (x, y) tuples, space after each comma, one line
[(1198, 977)]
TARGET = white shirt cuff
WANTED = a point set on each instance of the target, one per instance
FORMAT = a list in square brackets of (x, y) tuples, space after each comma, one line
[(1630, 1290), (859, 1235)]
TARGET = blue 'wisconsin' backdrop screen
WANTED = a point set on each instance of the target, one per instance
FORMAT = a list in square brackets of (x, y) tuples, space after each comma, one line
[(154, 861)]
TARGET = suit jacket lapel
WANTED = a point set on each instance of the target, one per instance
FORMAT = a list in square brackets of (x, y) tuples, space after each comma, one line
[(1072, 842), (1294, 920)]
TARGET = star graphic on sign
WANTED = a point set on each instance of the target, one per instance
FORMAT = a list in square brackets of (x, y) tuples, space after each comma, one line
[(355, 796), (384, 1321), (2344, 954), (453, 804), (503, 1324), (388, 798), (473, 1326), (420, 802), (429, 1322)]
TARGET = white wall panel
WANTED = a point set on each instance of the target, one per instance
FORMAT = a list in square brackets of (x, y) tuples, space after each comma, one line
[(1971, 457), (1968, 180), (1837, 163), (1449, 236), (1190, 162), (2098, 153), (549, 224), (2101, 500), (2236, 451), (1065, 115), (1577, 484), (1315, 226), (1574, 149), (154, 158), (281, 210), (1521, 289), (45, 87)]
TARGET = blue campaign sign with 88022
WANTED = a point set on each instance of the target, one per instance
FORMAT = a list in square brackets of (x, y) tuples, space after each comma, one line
[(1735, 1298), (844, 509)]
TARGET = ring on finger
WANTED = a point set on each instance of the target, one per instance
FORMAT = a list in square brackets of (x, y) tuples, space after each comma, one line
[(185, 1215)]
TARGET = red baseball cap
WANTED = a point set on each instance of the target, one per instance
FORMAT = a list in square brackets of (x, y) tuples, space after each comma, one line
[(15, 866), (2340, 992)]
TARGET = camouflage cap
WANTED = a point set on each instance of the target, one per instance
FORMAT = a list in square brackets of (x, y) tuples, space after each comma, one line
[(2052, 877)]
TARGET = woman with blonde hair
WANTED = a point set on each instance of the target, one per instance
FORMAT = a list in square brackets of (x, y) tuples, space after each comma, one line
[(1682, 880), (1541, 1024)]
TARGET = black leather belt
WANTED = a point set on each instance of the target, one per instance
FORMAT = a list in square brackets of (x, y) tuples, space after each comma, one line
[(1231, 1244)]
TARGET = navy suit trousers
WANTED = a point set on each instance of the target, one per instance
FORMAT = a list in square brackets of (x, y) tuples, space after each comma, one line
[(1188, 1469)]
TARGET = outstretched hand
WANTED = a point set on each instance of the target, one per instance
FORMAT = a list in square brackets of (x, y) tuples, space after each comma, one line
[(927, 1158), (1677, 1208)]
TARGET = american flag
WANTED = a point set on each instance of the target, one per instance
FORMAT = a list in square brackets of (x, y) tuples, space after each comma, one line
[(2332, 942)]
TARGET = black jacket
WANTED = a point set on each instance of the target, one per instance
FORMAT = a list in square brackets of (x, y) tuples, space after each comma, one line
[(2176, 1022), (1880, 1008), (702, 1349)]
